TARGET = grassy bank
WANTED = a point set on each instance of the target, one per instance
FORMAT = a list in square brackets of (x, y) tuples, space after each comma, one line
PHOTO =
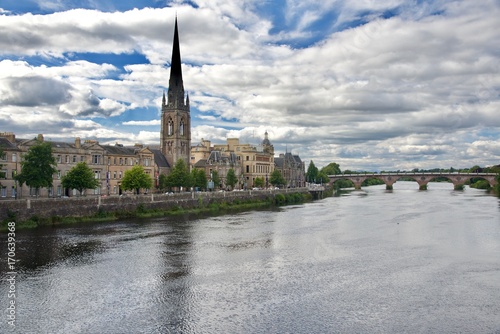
[(214, 208)]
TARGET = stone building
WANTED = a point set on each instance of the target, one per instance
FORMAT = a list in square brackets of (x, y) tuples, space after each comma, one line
[(220, 162), (292, 168), (253, 160), (109, 162)]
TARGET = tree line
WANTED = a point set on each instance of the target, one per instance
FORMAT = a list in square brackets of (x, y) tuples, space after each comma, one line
[(38, 167)]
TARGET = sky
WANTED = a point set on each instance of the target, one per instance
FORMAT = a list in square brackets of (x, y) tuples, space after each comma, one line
[(371, 85)]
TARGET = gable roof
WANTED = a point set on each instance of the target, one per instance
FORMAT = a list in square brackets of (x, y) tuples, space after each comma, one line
[(160, 159)]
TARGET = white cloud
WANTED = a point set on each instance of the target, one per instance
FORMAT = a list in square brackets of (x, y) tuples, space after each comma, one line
[(143, 123), (411, 91)]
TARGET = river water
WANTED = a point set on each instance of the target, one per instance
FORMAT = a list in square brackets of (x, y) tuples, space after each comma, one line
[(370, 261)]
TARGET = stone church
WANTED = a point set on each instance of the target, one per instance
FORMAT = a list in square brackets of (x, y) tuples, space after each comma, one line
[(109, 162)]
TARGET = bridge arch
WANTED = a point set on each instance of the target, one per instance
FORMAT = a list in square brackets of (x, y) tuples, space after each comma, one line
[(458, 179)]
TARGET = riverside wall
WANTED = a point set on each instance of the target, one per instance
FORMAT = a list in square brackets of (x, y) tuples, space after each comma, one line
[(26, 208)]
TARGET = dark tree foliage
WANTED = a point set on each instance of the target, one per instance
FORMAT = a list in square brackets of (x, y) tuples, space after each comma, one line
[(179, 176), (231, 178), (80, 178), (162, 182), (216, 178), (259, 182), (136, 179), (331, 169), (277, 179), (312, 173), (199, 179), (38, 166)]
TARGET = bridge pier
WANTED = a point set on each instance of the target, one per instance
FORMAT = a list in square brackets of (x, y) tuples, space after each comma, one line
[(458, 179)]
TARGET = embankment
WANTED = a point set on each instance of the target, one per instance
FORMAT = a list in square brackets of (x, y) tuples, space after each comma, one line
[(56, 209)]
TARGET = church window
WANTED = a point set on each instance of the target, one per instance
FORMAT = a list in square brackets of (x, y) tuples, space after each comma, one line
[(170, 127), (181, 128)]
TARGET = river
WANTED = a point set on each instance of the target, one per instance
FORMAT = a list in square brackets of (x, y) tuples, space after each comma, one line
[(370, 261)]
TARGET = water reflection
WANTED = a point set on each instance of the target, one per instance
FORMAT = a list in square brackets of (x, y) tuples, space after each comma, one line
[(363, 262)]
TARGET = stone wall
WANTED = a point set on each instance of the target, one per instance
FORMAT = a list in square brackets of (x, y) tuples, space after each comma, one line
[(26, 208)]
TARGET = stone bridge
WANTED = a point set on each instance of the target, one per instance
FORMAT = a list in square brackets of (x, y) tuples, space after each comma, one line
[(458, 179)]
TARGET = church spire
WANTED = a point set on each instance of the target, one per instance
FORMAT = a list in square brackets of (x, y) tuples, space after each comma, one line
[(176, 86)]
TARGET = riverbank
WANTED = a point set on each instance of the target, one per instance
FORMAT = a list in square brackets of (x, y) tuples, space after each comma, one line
[(31, 213)]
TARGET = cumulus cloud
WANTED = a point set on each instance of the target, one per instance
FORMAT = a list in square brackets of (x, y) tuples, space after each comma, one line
[(371, 85)]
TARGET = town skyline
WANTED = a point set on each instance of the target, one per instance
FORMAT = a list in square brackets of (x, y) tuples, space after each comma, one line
[(373, 87)]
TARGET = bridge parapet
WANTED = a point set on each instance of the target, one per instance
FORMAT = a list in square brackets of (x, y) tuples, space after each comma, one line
[(422, 179)]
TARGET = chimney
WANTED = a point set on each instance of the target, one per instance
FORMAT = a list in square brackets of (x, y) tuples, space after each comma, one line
[(39, 137), (78, 142), (10, 136)]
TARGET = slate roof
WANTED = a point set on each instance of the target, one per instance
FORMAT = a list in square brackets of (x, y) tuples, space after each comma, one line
[(5, 143), (160, 159), (119, 150)]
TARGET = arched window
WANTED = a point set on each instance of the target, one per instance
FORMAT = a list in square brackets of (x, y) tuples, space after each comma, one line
[(170, 127), (181, 128)]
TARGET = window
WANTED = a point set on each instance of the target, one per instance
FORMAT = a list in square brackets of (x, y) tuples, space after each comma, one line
[(109, 161), (126, 161), (51, 191), (120, 175), (82, 158), (181, 128), (14, 173), (170, 127), (58, 174), (4, 192), (121, 161), (67, 159), (3, 157), (248, 158), (114, 175), (248, 169), (13, 192), (58, 159), (3, 174), (97, 174), (14, 157), (114, 190), (96, 159), (146, 162), (114, 161), (59, 191), (74, 159)]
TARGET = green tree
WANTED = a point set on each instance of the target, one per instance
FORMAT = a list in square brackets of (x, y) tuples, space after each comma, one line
[(216, 178), (231, 178), (38, 167), (322, 177), (80, 178), (162, 182), (277, 179), (312, 172), (179, 176), (136, 179), (259, 182), (331, 169), (199, 178)]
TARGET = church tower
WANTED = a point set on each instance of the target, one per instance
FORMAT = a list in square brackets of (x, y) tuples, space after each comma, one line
[(175, 137)]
